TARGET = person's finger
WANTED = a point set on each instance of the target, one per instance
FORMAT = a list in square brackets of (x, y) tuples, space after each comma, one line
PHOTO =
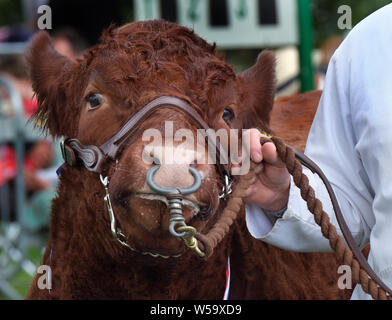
[(270, 155), (255, 145)]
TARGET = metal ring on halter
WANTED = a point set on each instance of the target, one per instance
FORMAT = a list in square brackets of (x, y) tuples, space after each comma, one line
[(173, 231), (171, 191), (174, 196)]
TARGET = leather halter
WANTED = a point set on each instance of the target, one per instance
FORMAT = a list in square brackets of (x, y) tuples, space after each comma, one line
[(93, 157)]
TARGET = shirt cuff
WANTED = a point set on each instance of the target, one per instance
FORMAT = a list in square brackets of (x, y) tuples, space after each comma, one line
[(294, 231)]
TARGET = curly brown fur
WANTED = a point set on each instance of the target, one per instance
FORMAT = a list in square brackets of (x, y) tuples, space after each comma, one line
[(131, 66)]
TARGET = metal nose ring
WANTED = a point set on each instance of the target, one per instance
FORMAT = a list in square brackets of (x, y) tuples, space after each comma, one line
[(174, 197), (172, 191)]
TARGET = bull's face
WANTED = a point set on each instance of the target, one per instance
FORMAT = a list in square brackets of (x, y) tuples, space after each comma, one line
[(91, 100)]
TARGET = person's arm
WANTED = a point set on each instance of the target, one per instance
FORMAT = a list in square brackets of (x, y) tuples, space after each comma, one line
[(351, 140), (371, 112)]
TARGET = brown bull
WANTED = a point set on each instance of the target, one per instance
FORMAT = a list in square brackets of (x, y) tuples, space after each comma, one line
[(90, 100)]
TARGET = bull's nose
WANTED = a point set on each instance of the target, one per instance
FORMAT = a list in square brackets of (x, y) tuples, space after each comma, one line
[(173, 176), (174, 166)]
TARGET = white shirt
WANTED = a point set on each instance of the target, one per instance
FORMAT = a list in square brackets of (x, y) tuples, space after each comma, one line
[(351, 141)]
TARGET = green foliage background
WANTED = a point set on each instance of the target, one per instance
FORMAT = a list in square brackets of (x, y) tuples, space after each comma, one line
[(10, 12), (325, 15)]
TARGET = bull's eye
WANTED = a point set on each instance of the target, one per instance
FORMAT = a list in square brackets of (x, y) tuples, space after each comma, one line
[(94, 101), (228, 115)]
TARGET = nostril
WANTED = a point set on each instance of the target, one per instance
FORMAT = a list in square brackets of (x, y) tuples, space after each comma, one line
[(122, 199), (150, 156), (155, 161), (194, 164), (205, 212), (154, 157)]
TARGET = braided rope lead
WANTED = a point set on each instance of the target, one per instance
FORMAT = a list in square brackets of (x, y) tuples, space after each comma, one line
[(210, 240), (343, 253)]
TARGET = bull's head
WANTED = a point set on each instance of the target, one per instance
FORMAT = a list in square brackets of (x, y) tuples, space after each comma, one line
[(91, 100)]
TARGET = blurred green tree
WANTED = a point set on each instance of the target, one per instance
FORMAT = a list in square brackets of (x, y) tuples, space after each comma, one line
[(325, 15), (11, 12)]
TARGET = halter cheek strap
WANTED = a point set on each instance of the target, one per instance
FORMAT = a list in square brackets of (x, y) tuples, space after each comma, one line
[(93, 157)]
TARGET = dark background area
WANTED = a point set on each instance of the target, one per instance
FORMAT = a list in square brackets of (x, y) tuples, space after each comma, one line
[(90, 17)]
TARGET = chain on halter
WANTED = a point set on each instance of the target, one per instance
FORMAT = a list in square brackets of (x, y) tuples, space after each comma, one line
[(178, 227), (116, 231)]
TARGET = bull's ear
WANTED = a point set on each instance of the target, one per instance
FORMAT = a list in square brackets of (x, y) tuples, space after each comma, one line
[(48, 71), (259, 85)]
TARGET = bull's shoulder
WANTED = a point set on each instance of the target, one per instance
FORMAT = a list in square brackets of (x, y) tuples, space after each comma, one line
[(292, 117)]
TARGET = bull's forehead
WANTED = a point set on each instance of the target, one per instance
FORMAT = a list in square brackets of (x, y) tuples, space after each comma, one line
[(137, 50), (133, 67), (130, 75)]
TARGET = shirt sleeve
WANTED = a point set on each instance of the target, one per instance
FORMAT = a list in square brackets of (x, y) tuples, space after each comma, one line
[(297, 230)]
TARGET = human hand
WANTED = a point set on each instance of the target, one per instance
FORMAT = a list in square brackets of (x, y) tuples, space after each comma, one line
[(271, 189)]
